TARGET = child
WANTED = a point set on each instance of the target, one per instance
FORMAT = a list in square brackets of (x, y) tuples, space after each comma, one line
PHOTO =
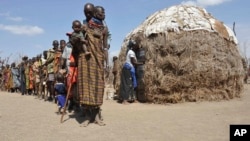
[(60, 90), (77, 37)]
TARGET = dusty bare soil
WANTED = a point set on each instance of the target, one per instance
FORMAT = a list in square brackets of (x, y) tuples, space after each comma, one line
[(26, 118)]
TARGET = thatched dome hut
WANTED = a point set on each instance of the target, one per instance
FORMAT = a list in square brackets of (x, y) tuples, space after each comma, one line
[(190, 56)]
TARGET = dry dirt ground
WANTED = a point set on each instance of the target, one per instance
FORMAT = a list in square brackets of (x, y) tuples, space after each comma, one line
[(25, 118)]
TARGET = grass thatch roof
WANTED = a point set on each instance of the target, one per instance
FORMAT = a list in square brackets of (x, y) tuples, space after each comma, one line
[(190, 56)]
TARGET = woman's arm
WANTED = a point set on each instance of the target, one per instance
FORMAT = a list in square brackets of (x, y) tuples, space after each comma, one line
[(134, 62)]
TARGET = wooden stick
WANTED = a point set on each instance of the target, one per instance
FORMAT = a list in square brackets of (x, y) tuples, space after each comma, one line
[(68, 92)]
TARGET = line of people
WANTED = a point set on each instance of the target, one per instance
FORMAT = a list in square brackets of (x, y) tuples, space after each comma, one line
[(76, 67)]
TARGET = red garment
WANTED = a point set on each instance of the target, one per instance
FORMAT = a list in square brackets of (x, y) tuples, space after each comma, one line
[(71, 77), (72, 72)]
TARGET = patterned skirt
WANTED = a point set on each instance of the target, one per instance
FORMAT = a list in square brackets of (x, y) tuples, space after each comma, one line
[(90, 80)]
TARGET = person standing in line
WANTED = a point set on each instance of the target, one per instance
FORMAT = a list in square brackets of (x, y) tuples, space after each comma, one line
[(90, 82), (62, 45), (44, 76), (23, 75), (50, 62), (36, 68), (31, 77), (60, 92), (27, 76), (8, 81), (15, 77), (68, 64)]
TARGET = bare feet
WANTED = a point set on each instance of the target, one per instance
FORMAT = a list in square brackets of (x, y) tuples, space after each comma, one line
[(85, 123), (136, 101), (125, 102), (101, 123)]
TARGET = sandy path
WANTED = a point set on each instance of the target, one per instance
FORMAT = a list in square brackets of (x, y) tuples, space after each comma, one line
[(25, 118)]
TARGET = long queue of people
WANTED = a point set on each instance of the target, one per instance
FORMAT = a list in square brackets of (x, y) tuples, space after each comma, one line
[(67, 68), (33, 75)]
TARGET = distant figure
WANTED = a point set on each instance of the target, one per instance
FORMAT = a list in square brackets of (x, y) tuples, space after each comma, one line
[(15, 77), (244, 62), (115, 70), (23, 75), (44, 76)]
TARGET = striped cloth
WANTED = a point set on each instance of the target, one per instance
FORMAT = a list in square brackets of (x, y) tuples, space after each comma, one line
[(90, 82)]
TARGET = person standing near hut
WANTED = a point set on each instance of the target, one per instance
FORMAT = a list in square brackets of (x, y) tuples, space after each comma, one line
[(128, 77), (90, 82)]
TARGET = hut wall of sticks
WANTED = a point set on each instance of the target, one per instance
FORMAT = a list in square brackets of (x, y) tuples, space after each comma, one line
[(190, 56)]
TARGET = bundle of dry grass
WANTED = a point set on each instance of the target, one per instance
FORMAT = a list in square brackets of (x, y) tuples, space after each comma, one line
[(190, 55)]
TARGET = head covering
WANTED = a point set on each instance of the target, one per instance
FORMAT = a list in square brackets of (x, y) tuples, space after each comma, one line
[(25, 58), (55, 42), (131, 43), (115, 57)]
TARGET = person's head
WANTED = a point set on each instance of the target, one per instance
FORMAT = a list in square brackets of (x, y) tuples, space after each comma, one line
[(76, 26), (55, 44), (38, 57), (115, 58), (132, 44), (60, 78), (33, 59), (62, 44), (88, 11), (25, 58), (45, 54), (99, 13), (7, 66), (13, 65)]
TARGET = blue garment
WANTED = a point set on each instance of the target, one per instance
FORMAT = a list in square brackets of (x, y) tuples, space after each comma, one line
[(99, 22), (60, 88), (132, 72), (61, 100), (84, 22)]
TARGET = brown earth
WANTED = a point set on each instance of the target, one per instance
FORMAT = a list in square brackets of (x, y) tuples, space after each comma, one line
[(26, 118)]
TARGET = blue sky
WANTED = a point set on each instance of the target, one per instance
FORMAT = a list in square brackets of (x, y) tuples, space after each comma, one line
[(28, 27)]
